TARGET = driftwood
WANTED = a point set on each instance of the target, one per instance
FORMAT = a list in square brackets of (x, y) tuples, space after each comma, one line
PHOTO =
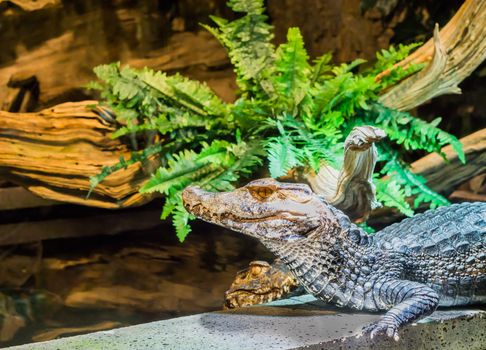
[(54, 152), (60, 76), (453, 53), (472, 190), (351, 189), (32, 5), (444, 176)]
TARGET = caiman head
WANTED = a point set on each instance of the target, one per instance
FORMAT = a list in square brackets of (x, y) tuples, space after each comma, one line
[(264, 209)]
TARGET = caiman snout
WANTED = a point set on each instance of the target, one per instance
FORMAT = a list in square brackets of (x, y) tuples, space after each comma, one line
[(263, 207), (203, 204), (192, 196)]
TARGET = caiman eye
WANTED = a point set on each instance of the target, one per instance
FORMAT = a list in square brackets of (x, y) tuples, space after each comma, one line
[(261, 193)]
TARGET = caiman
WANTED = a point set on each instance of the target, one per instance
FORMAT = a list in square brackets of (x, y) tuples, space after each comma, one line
[(260, 283), (350, 189), (433, 259)]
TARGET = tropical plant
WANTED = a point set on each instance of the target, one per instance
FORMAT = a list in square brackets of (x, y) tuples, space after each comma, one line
[(290, 113)]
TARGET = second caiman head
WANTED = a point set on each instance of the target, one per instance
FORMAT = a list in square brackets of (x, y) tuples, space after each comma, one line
[(264, 209)]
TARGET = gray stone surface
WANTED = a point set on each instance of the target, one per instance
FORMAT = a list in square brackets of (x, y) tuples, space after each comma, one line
[(300, 322)]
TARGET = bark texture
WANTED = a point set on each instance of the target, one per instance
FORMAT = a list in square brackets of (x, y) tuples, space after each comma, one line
[(54, 152)]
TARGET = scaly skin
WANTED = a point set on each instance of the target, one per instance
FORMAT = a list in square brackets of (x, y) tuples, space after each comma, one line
[(410, 268), (259, 283)]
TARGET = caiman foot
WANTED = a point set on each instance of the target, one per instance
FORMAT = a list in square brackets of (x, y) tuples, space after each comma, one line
[(382, 328), (260, 283)]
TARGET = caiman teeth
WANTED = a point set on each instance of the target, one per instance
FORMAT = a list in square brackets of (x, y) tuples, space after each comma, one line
[(202, 212)]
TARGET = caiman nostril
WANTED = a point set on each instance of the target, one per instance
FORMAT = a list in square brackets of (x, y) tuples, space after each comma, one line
[(190, 196)]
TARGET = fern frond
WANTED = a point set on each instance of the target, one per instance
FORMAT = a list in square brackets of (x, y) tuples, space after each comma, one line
[(248, 41), (391, 194), (247, 157), (180, 220), (135, 157), (413, 133), (195, 96), (386, 58), (413, 184), (251, 114), (317, 142), (251, 7), (291, 79), (321, 68), (182, 170), (282, 154), (346, 93)]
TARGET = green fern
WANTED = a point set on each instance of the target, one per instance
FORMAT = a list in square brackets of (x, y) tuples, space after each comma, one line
[(413, 184), (345, 92), (391, 194), (290, 113), (321, 69), (248, 41), (385, 59), (283, 155), (292, 70), (410, 132), (181, 220)]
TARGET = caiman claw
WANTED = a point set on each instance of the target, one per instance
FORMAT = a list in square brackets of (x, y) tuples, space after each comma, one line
[(382, 328)]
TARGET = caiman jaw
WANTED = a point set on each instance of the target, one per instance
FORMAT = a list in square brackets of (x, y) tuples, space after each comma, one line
[(195, 201), (262, 209)]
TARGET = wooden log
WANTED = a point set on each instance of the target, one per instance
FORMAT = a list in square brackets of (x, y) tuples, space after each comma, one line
[(33, 5), (467, 196), (444, 176), (54, 152), (454, 53), (62, 78)]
